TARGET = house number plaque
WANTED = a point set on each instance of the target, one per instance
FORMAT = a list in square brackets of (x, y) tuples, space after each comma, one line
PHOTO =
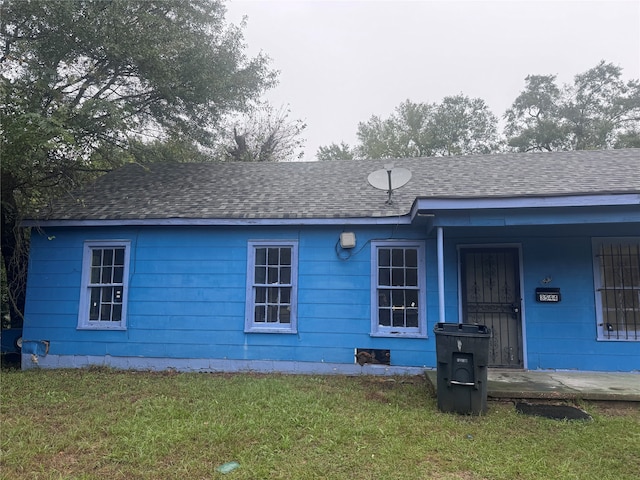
[(548, 295)]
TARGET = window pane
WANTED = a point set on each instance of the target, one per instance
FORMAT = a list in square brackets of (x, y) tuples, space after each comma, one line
[(412, 318), (397, 298), (411, 257), (95, 275), (119, 256), (105, 312), (117, 312), (285, 315), (397, 277), (261, 256), (285, 295), (285, 275), (94, 305), (107, 294), (272, 275), (412, 277), (397, 257), (273, 295), (384, 276), (107, 257), (384, 257), (398, 318), (117, 274), (96, 257), (272, 313), (285, 256), (261, 294), (384, 317), (260, 314), (106, 275), (412, 298), (261, 275), (384, 298), (273, 257)]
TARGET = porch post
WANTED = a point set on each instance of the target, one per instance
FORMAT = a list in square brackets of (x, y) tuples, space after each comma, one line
[(440, 275)]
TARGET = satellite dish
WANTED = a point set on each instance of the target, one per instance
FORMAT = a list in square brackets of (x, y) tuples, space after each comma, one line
[(389, 178)]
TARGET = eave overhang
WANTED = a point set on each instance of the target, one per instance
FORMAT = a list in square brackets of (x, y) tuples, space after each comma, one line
[(533, 210), (391, 220), (440, 211)]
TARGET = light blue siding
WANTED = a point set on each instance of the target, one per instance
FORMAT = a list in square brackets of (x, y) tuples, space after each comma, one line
[(558, 335), (187, 289)]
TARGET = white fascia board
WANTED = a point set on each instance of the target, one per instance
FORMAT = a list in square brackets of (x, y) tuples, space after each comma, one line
[(430, 204), (394, 220)]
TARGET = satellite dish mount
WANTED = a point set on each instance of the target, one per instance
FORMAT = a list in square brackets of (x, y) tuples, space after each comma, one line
[(389, 178)]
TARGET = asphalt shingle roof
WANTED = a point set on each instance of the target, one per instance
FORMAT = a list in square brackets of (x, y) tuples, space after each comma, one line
[(339, 189)]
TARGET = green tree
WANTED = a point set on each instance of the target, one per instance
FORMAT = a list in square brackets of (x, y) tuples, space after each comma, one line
[(534, 119), (457, 126), (86, 83), (335, 152), (461, 125), (406, 133), (168, 150), (598, 111)]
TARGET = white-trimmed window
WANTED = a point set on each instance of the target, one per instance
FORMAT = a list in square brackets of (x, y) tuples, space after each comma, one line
[(617, 282), (398, 288), (272, 274), (105, 273)]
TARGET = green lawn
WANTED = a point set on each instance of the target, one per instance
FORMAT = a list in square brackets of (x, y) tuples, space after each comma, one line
[(103, 424)]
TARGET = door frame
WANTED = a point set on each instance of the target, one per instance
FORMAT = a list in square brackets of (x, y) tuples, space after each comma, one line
[(518, 246)]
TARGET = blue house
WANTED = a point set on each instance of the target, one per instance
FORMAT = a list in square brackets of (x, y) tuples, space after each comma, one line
[(306, 267)]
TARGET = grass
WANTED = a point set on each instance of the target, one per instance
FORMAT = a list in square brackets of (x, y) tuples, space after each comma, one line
[(104, 424)]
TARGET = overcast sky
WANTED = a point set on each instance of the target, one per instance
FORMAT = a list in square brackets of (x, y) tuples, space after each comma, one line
[(342, 61)]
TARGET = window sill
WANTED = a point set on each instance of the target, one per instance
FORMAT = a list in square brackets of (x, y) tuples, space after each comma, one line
[(603, 339), (270, 330), (399, 335), (102, 328)]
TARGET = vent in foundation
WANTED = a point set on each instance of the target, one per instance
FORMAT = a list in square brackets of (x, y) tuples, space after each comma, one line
[(373, 355)]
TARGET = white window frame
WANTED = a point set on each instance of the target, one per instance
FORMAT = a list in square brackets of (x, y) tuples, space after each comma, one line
[(378, 330), (603, 329), (84, 321), (251, 326)]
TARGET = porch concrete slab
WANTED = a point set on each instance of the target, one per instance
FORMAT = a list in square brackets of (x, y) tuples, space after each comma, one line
[(537, 384)]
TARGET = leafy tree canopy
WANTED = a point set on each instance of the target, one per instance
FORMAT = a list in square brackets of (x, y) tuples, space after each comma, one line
[(335, 152), (459, 125), (598, 111), (86, 84)]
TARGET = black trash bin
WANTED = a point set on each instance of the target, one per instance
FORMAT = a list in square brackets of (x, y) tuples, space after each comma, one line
[(462, 351)]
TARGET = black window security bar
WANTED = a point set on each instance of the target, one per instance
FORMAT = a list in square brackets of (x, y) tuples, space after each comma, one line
[(620, 289)]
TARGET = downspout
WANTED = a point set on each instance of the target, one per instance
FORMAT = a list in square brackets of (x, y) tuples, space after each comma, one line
[(440, 275)]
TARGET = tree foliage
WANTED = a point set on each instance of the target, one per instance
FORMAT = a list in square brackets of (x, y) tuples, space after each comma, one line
[(85, 84), (459, 125), (463, 125), (404, 134), (598, 111), (264, 134), (335, 152)]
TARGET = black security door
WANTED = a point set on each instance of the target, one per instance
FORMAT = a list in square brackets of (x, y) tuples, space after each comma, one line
[(491, 297)]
